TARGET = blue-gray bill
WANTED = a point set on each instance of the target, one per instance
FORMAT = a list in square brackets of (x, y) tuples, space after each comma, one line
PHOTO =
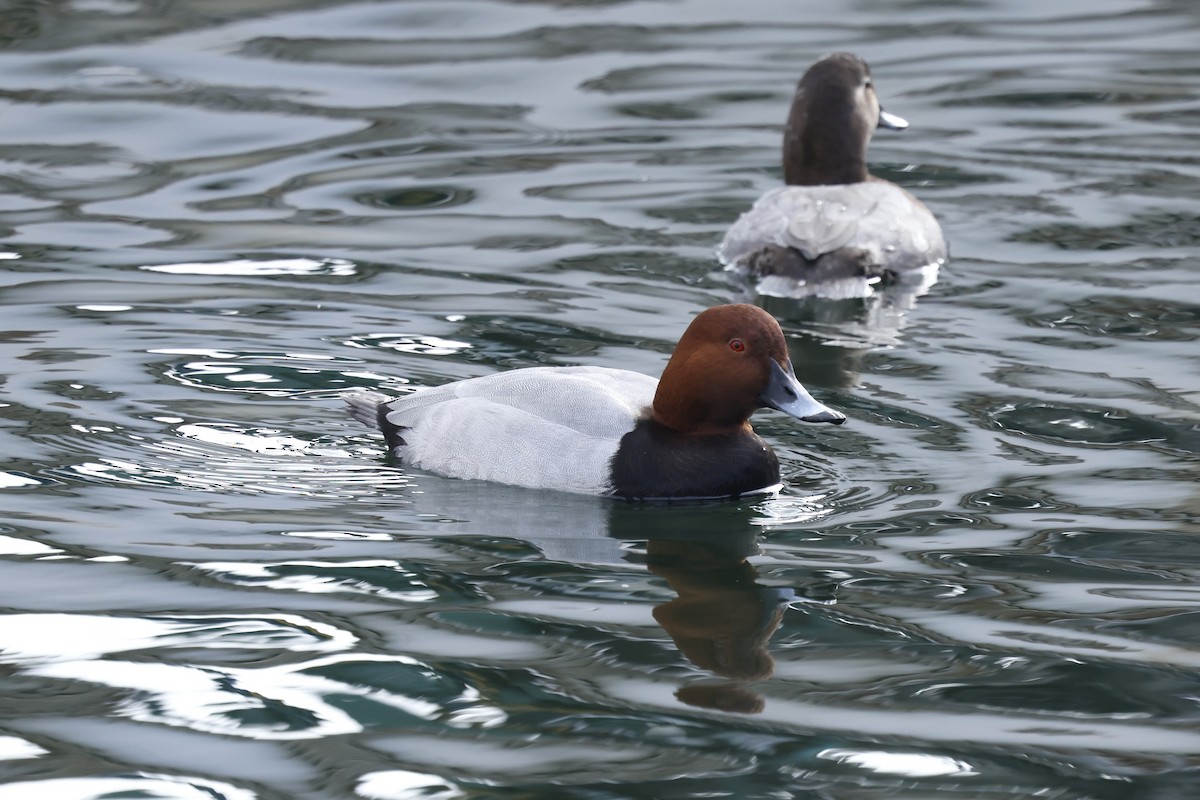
[(785, 393), (889, 120)]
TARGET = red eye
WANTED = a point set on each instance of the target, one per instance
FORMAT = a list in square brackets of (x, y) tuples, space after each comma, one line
[(737, 345)]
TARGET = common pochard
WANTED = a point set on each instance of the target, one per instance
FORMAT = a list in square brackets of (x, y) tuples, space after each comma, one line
[(834, 229), (602, 431)]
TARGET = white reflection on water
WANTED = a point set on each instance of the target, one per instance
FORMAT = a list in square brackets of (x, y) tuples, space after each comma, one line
[(145, 784), (218, 700), (348, 536), (255, 354), (415, 343), (286, 702), (1008, 635), (251, 268), (398, 783), (315, 582), (13, 748), (219, 457), (306, 480), (1027, 730), (552, 763), (41, 638), (912, 765), (9, 480), (230, 437), (12, 546), (794, 509)]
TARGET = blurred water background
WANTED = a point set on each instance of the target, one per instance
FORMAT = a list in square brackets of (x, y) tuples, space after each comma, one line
[(215, 216)]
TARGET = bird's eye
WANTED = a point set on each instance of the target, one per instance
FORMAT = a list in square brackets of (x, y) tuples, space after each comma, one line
[(737, 345)]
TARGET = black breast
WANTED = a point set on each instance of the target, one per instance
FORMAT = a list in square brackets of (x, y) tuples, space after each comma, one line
[(654, 461)]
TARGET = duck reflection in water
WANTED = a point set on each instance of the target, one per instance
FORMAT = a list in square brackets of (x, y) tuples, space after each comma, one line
[(722, 619)]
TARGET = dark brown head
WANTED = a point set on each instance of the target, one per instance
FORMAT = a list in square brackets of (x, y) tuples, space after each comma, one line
[(833, 115), (731, 361)]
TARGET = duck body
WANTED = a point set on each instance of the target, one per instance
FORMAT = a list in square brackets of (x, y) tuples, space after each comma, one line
[(602, 431), (834, 229), (838, 239), (541, 427)]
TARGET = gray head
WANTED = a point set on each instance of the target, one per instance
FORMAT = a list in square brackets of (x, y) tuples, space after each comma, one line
[(834, 113)]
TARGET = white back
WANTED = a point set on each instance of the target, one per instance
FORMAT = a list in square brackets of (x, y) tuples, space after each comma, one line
[(549, 427), (876, 216)]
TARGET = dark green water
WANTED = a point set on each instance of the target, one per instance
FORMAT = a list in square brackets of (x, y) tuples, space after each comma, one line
[(216, 216)]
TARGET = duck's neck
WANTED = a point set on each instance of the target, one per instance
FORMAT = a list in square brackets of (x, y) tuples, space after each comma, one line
[(822, 154), (708, 427), (704, 409)]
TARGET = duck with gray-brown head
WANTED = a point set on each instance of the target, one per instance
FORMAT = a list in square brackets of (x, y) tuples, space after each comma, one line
[(834, 229)]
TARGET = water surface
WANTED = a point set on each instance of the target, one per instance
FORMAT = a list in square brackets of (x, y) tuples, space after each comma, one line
[(217, 216)]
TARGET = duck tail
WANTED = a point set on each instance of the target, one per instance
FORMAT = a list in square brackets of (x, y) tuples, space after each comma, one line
[(365, 407)]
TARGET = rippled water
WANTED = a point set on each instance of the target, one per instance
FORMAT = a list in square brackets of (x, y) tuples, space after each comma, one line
[(215, 216)]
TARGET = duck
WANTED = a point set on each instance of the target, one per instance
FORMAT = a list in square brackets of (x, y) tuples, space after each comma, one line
[(613, 432), (834, 229)]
